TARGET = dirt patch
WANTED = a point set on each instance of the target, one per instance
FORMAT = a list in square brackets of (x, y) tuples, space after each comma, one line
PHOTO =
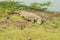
[(47, 15), (18, 24)]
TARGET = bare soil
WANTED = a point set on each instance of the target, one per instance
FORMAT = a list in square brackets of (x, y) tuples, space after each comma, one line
[(46, 15), (18, 24)]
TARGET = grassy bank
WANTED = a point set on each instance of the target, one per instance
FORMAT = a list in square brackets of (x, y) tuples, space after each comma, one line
[(49, 30)]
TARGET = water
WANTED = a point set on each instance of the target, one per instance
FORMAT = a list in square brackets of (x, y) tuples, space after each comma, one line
[(55, 6)]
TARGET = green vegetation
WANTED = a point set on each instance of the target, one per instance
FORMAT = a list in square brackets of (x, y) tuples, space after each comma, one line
[(49, 30), (12, 5)]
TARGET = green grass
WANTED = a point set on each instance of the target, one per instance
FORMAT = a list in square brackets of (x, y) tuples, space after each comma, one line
[(34, 34), (16, 17), (49, 30)]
